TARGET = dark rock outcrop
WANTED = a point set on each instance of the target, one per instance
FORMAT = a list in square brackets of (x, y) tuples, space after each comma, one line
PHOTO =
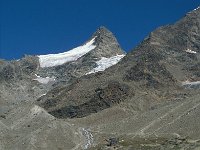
[(103, 98)]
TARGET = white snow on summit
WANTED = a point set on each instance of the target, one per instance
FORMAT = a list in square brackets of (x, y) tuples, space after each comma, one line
[(51, 60), (105, 63)]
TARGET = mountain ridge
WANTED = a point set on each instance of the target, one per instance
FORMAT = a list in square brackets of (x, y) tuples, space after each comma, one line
[(148, 100)]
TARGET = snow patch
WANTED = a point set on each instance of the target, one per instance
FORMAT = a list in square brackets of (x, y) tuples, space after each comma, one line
[(44, 80), (197, 8), (191, 85), (105, 63), (190, 51), (43, 94), (36, 110), (51, 60)]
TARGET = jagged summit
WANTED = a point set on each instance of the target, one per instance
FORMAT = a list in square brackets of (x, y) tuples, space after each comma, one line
[(102, 44), (100, 52), (102, 32), (106, 43)]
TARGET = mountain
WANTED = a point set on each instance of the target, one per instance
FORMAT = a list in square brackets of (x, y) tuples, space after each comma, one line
[(32, 76), (25, 80), (151, 79), (167, 59), (96, 97)]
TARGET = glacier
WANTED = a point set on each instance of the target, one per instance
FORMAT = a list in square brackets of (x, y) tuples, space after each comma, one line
[(51, 60)]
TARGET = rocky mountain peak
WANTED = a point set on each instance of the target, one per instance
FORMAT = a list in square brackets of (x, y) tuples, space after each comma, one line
[(102, 32), (106, 44)]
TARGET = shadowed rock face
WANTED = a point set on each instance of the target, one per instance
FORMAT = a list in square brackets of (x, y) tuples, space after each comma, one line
[(103, 98), (152, 74), (7, 72), (14, 69)]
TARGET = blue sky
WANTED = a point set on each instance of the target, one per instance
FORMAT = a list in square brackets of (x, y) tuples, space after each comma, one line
[(53, 26)]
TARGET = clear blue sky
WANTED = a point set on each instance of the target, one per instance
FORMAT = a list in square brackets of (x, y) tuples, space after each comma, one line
[(52, 26)]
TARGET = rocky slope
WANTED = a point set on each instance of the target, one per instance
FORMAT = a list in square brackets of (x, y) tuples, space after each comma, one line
[(149, 100)]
